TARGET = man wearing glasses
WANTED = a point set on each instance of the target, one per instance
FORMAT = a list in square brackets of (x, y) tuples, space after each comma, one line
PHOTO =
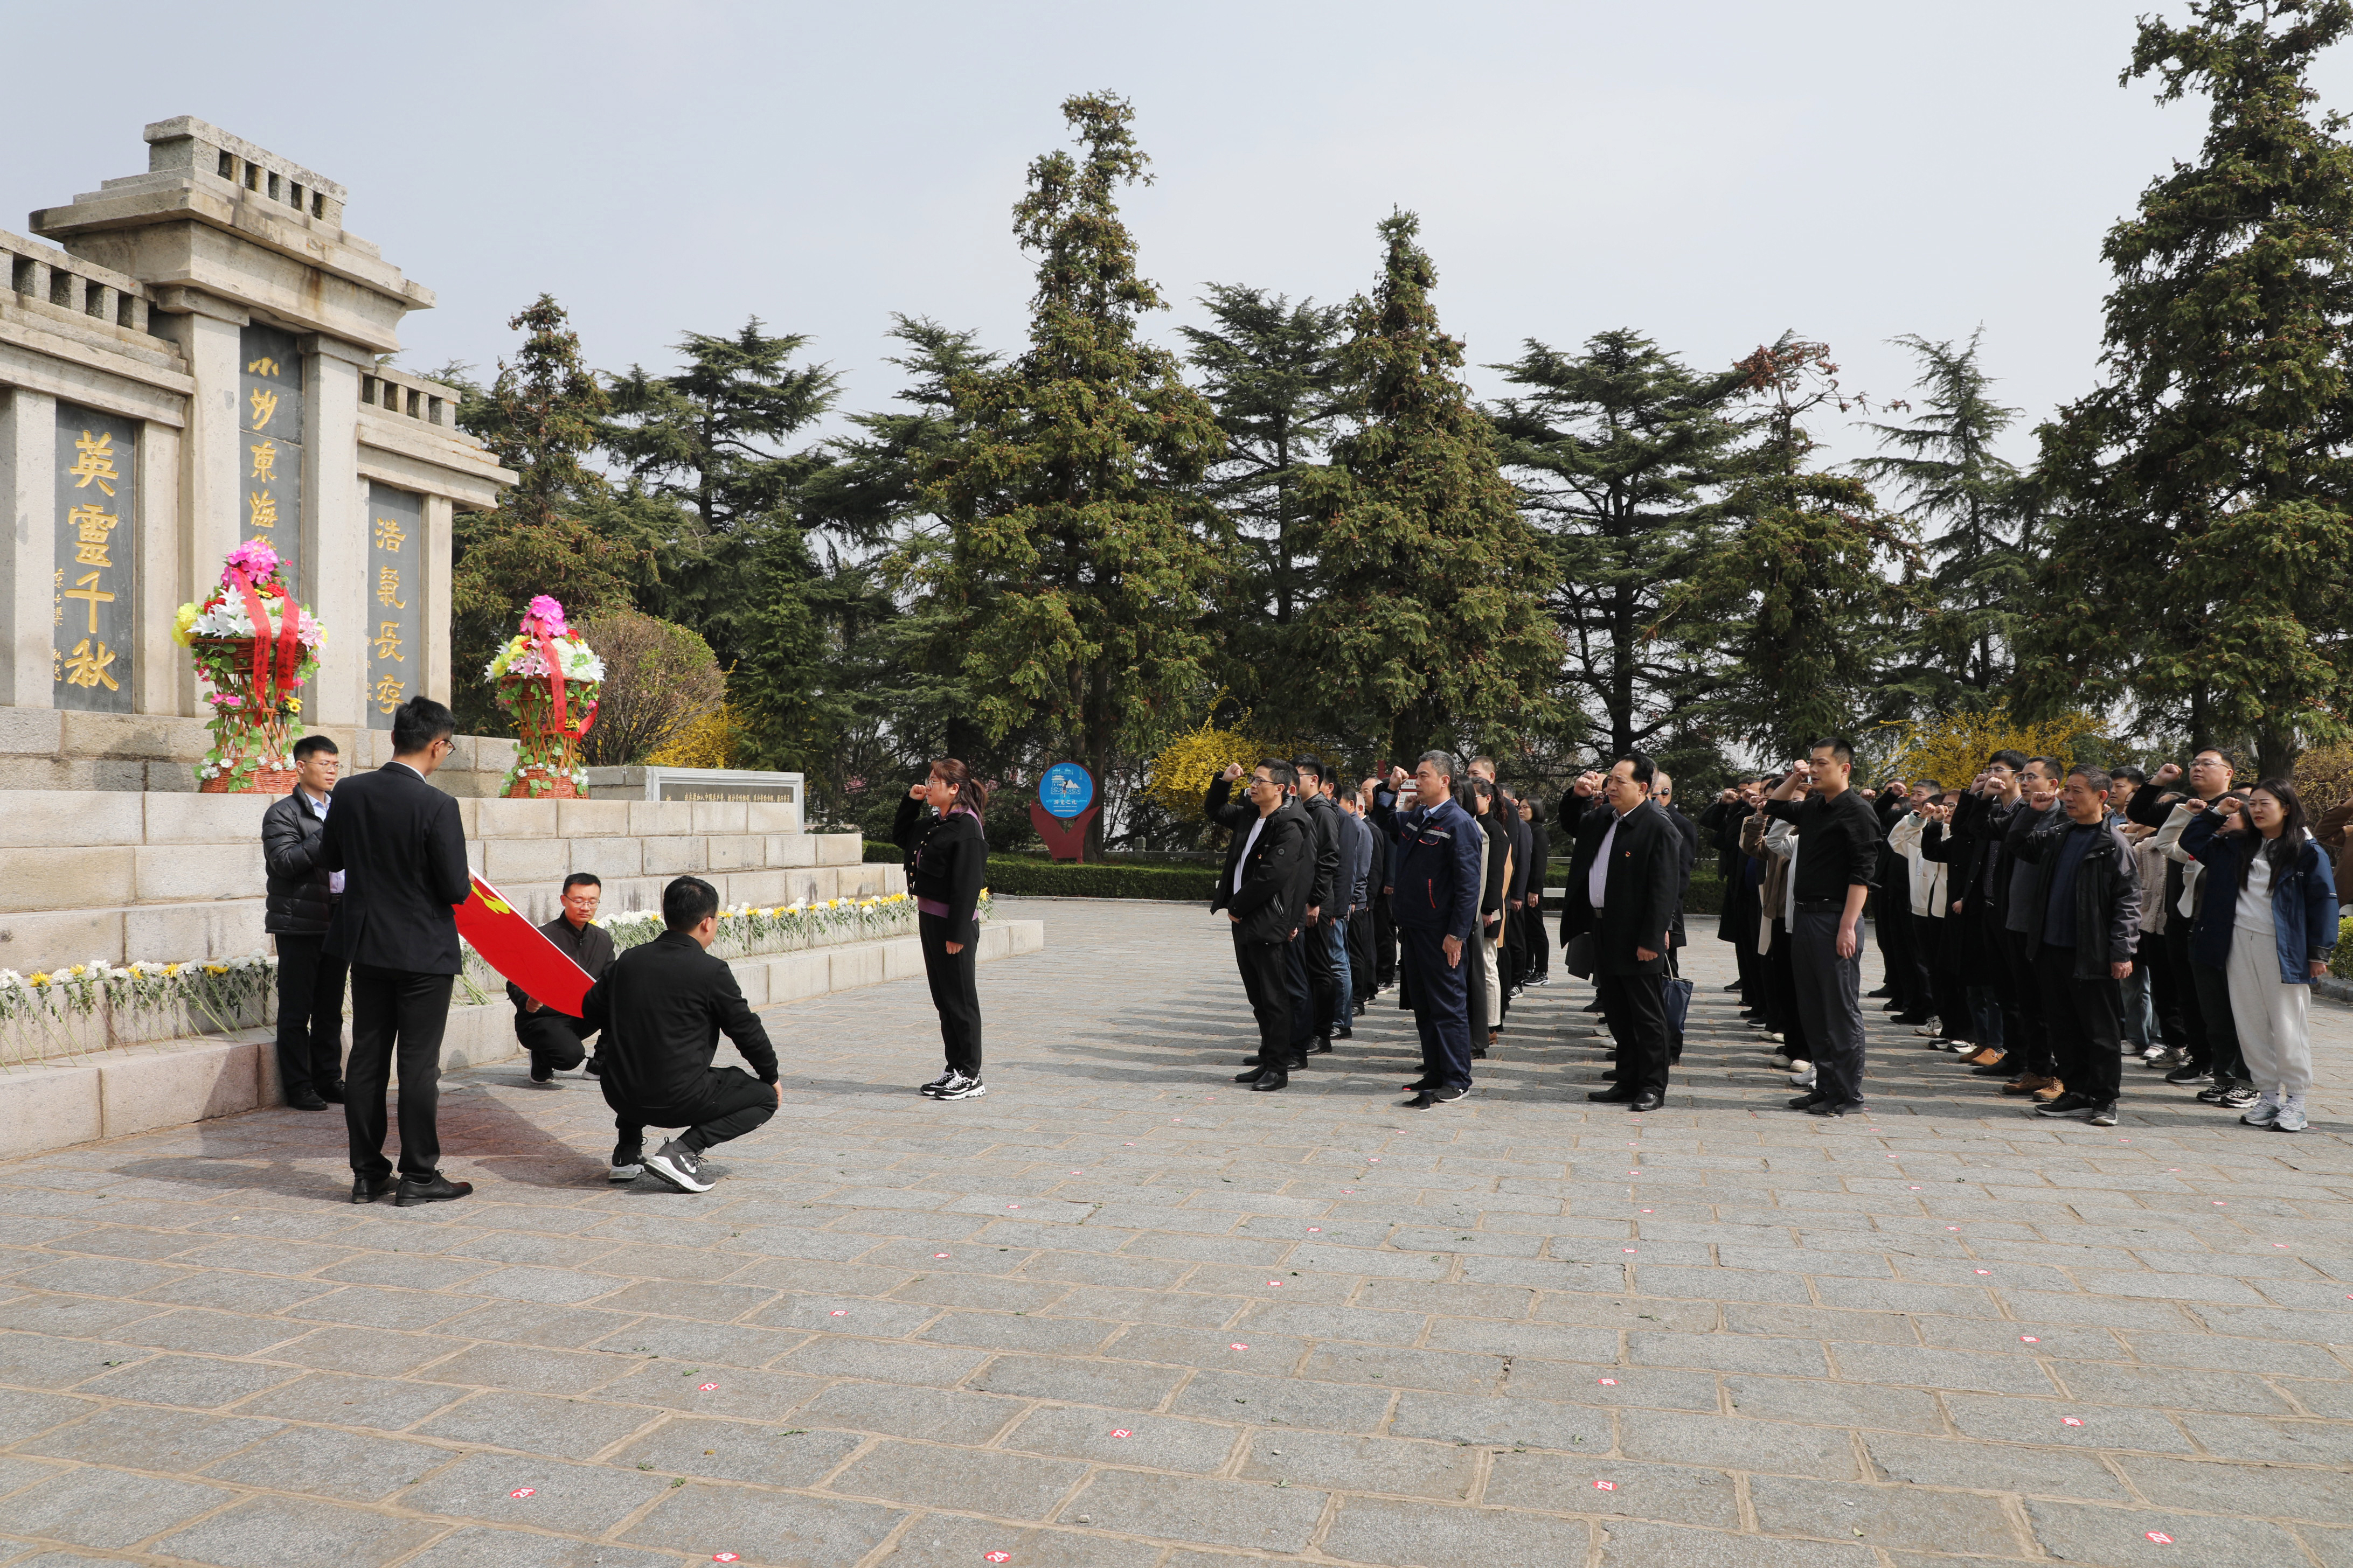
[(399, 843), (2211, 1035)]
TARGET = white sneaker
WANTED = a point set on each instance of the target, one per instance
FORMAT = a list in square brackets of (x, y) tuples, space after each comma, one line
[(947, 1077), (2290, 1115), (2263, 1112), (959, 1087), (1803, 1077), (1930, 1030)]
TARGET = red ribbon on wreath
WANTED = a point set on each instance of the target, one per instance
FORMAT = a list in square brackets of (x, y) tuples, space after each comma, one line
[(537, 629), (287, 638)]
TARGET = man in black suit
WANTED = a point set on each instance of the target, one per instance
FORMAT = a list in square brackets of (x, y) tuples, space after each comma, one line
[(1621, 892), (398, 841), (1263, 889), (663, 1006)]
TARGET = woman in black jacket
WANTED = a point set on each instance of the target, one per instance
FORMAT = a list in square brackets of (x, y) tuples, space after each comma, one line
[(947, 860)]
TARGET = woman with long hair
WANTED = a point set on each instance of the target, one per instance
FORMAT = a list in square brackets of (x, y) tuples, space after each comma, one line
[(2268, 920), (947, 861)]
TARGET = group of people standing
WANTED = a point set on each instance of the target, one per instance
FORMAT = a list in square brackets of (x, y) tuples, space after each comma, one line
[(2046, 922)]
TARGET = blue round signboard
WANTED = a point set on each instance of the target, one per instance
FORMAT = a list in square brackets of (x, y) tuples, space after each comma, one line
[(1066, 790)]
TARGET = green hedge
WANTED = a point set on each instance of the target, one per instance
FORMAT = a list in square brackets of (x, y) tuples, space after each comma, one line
[(1014, 875), (882, 853)]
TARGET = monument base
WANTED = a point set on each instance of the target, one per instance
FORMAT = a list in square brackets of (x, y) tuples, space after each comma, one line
[(60, 748)]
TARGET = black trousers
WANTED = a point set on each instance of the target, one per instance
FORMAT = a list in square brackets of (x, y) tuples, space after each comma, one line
[(1475, 959), (1829, 1000), (2028, 1046), (955, 991), (1899, 947), (1781, 1013), (1385, 941), (1949, 996), (556, 1041), (397, 1016), (732, 1103), (1361, 976), (1266, 982), (2214, 989), (2194, 1038), (1315, 983), (2085, 1021), (1440, 1009), (310, 1016), (1637, 1015), (1539, 943), (2164, 987)]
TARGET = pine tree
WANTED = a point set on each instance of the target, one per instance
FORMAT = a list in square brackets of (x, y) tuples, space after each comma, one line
[(708, 441), (1943, 464), (1619, 451), (539, 418), (1796, 599), (1271, 371), (1432, 585), (1081, 552), (2200, 542)]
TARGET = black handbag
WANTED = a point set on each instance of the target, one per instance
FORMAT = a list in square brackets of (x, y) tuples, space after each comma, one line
[(1676, 993)]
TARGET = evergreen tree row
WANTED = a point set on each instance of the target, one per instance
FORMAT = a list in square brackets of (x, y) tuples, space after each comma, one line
[(1307, 525)]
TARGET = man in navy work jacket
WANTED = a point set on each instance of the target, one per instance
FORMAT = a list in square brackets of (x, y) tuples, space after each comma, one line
[(1436, 906)]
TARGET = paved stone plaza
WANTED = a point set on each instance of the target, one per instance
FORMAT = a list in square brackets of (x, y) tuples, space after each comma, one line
[(1121, 1312)]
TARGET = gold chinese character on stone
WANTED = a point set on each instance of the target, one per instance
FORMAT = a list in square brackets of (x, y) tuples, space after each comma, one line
[(265, 461), (388, 535), (387, 587), (265, 406), (84, 667), (94, 462), (86, 588), (387, 694), (265, 365), (90, 527), (265, 509), (387, 641)]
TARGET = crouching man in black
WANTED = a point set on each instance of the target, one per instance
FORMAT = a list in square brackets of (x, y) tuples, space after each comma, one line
[(558, 1042), (661, 1007)]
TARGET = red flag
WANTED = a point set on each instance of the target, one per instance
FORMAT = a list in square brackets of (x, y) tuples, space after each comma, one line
[(520, 951)]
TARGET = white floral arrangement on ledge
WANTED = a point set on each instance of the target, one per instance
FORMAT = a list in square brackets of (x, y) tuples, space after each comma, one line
[(221, 992), (747, 931)]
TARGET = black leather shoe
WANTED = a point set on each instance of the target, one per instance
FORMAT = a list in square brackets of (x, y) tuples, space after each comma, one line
[(436, 1188), (593, 1068), (1250, 1076), (1649, 1100), (1807, 1101), (1419, 1085), (1834, 1108), (333, 1093), (366, 1190), (1323, 1042), (307, 1100), (1592, 1007), (1478, 1053), (1609, 1075), (1610, 1096), (1270, 1082), (2000, 1067)]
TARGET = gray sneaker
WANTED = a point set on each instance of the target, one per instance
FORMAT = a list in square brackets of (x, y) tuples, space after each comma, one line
[(620, 1174), (680, 1166)]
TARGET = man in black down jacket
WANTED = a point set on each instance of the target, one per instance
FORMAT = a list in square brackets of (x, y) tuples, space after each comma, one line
[(1263, 887), (663, 1006), (302, 895)]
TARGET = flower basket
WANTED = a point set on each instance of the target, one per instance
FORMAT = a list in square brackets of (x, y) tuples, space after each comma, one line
[(547, 679), (255, 646)]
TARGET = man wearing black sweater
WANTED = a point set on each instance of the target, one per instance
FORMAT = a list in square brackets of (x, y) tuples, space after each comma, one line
[(1842, 839), (663, 1006)]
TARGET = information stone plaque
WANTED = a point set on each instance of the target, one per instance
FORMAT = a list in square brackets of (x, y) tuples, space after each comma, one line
[(95, 628)]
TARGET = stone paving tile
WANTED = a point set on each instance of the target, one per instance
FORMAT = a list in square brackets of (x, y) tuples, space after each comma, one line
[(1448, 1340)]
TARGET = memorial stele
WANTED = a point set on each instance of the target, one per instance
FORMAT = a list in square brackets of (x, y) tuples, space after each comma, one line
[(195, 358)]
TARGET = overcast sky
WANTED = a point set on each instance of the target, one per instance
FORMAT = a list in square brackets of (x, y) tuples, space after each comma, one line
[(1710, 172)]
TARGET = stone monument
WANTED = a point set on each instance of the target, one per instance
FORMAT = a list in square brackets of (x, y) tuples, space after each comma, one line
[(193, 362)]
